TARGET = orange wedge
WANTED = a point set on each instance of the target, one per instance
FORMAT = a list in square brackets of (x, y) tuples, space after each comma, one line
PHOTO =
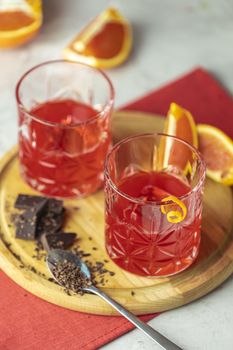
[(180, 123), (105, 42), (19, 22), (217, 150)]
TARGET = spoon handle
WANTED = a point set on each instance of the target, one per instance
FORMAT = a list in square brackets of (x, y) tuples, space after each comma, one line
[(158, 338)]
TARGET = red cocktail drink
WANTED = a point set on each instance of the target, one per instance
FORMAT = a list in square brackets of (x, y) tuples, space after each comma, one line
[(64, 128), (153, 215)]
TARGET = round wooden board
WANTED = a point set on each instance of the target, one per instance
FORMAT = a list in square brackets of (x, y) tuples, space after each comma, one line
[(213, 266)]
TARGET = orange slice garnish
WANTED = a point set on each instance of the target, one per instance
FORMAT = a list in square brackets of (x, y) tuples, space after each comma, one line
[(180, 123), (175, 211), (105, 42), (19, 22), (217, 150)]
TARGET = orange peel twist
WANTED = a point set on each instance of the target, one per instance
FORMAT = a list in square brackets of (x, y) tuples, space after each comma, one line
[(174, 216)]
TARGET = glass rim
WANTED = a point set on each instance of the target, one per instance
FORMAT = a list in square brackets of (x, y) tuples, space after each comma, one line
[(139, 200), (107, 106)]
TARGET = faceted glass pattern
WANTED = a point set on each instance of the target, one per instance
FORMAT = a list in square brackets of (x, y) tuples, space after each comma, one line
[(139, 238), (56, 159)]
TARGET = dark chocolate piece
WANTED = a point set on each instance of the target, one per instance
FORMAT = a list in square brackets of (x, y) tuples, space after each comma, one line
[(26, 228), (31, 223), (55, 206), (59, 240), (50, 223), (25, 201), (38, 209), (27, 222), (53, 219)]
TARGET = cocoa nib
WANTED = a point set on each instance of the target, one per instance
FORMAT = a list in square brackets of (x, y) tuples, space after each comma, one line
[(71, 277)]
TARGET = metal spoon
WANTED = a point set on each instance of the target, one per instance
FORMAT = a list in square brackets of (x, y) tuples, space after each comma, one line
[(56, 256)]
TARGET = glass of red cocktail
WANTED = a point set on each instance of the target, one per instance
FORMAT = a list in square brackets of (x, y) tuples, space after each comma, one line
[(153, 193), (64, 127)]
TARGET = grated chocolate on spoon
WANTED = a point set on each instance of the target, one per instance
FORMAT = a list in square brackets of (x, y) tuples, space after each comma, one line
[(71, 277)]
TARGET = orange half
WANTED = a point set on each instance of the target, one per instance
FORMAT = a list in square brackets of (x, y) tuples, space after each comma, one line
[(217, 150), (20, 23), (180, 123), (104, 42)]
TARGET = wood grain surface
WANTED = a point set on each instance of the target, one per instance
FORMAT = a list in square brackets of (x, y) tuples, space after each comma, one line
[(213, 266)]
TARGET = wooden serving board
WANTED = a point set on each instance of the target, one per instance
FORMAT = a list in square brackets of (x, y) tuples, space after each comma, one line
[(213, 266)]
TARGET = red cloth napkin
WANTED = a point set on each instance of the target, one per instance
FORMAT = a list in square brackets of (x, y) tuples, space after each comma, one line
[(29, 323), (196, 91)]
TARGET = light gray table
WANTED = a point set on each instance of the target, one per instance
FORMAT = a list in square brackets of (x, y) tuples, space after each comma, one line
[(171, 37)]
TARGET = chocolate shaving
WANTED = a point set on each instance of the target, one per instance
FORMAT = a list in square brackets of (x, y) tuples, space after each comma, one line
[(71, 277)]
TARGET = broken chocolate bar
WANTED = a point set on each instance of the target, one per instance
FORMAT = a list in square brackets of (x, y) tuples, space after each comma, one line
[(59, 240), (43, 220), (25, 201), (53, 219), (27, 223), (51, 222), (26, 229), (55, 206)]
